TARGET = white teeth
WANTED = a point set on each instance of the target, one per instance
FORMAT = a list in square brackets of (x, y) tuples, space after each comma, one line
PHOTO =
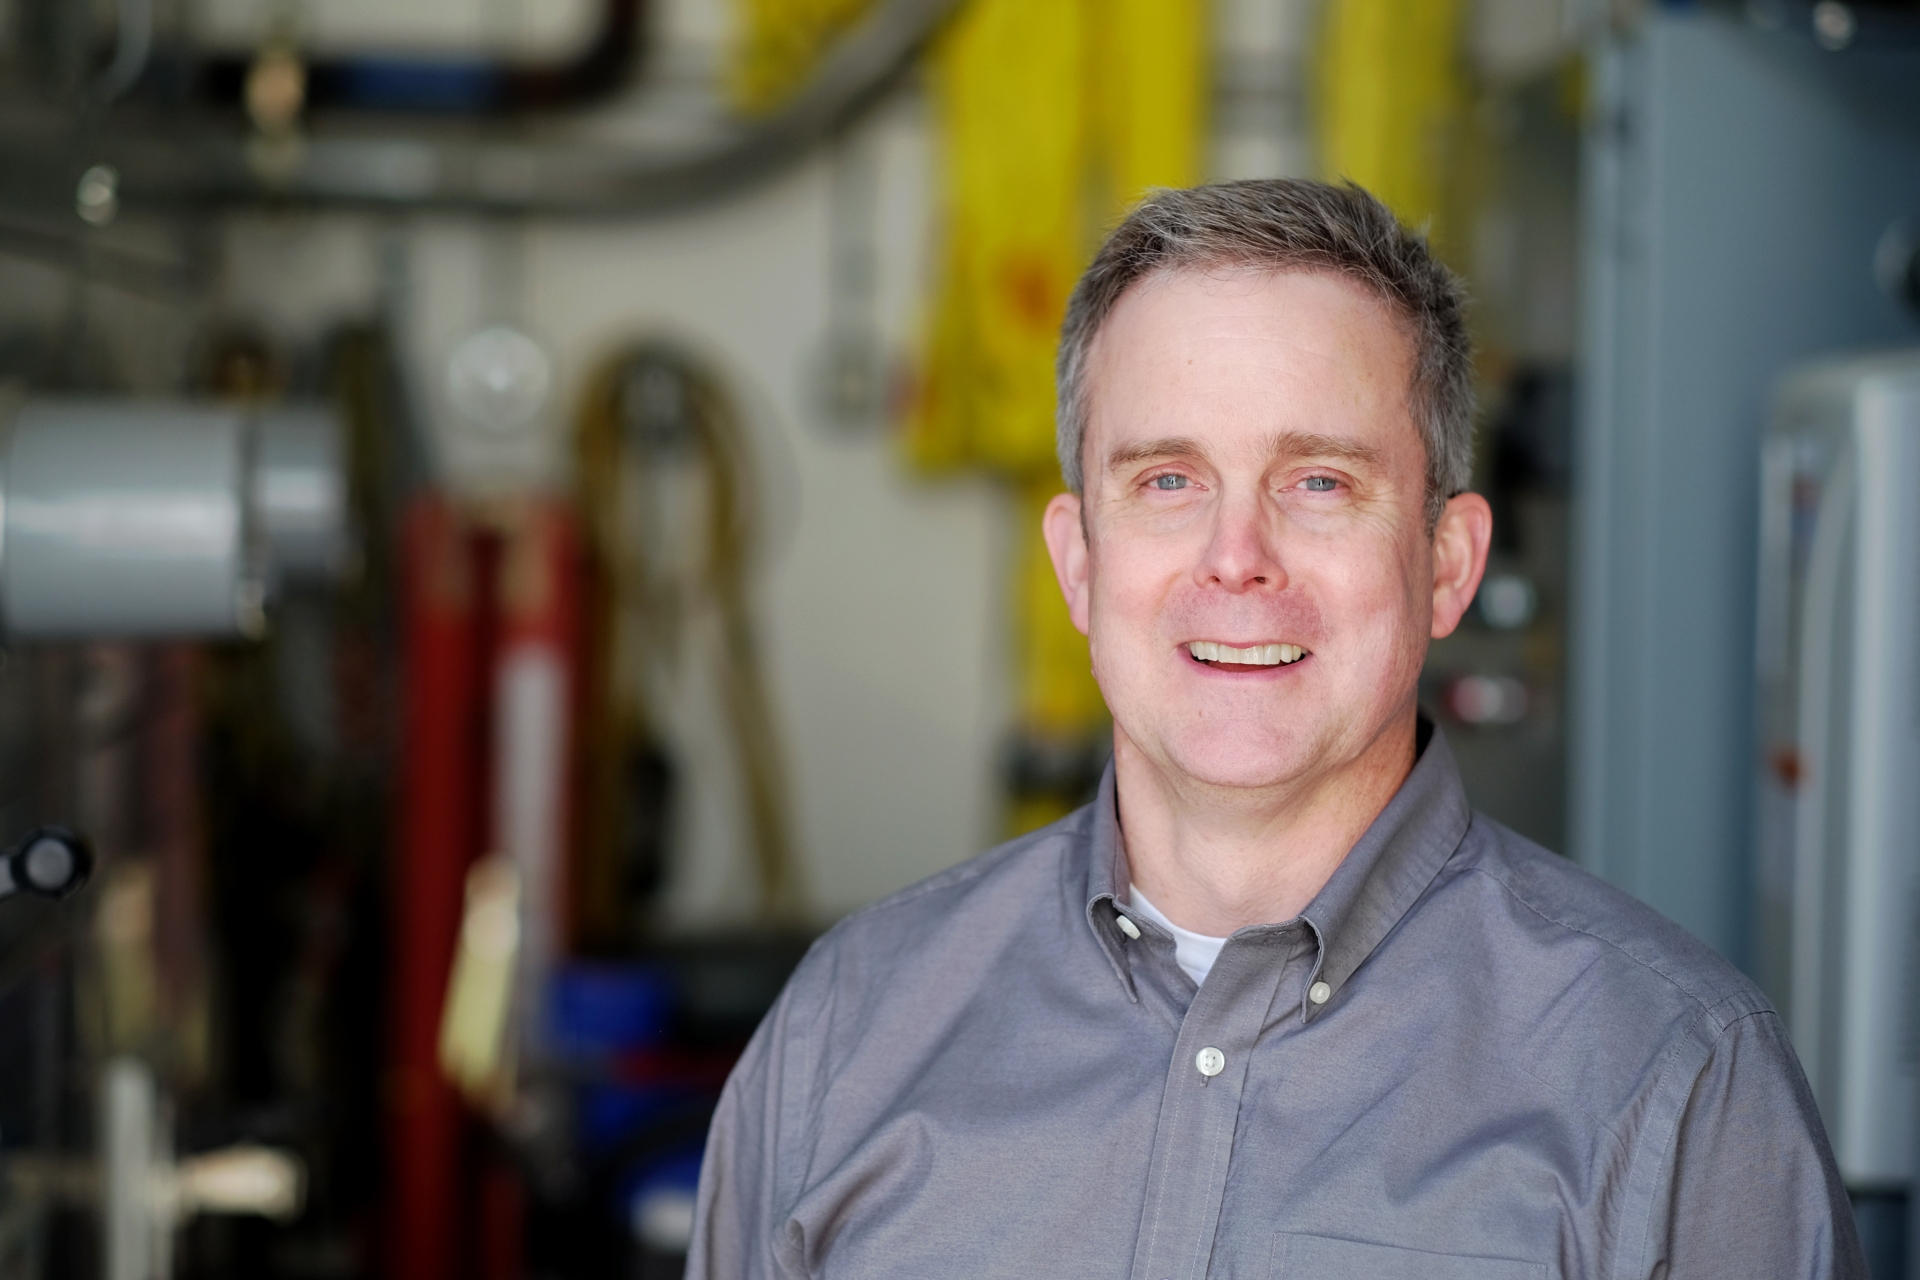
[(1259, 655)]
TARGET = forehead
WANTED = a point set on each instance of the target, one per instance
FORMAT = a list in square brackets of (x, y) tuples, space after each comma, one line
[(1223, 353)]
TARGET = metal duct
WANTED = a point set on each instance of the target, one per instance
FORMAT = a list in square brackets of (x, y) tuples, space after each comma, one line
[(124, 518)]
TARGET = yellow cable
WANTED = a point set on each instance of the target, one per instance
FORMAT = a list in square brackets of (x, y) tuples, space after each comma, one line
[(629, 576)]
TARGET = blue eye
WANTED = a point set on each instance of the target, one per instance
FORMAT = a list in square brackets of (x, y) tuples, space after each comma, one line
[(1169, 482), (1321, 484)]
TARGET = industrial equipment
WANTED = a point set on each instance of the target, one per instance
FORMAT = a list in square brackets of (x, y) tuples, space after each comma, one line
[(133, 518), (126, 519), (1839, 717)]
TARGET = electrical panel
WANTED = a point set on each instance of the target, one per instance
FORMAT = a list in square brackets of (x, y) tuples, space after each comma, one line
[(1839, 717)]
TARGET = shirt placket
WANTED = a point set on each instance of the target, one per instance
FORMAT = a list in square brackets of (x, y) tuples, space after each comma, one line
[(1200, 1103)]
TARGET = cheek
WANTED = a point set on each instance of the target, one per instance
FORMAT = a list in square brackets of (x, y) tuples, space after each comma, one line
[(1127, 592), (1379, 594)]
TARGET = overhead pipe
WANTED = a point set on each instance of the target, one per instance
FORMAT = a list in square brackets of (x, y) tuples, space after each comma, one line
[(141, 274), (171, 169), (456, 85)]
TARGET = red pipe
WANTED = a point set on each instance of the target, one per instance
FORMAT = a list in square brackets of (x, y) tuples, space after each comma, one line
[(439, 809)]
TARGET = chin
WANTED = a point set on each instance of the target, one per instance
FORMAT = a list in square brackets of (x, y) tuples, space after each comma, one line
[(1249, 755)]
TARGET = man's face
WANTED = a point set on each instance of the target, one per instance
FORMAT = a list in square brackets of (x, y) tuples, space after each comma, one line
[(1255, 490)]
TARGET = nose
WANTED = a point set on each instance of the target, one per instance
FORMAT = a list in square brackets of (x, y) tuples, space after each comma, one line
[(1242, 552)]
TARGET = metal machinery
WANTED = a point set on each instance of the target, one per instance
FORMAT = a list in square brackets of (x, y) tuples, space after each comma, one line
[(1742, 166), (449, 733), (137, 519), (1838, 649), (1738, 176), (123, 519)]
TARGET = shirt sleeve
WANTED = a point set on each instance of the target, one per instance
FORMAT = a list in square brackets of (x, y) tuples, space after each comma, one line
[(1752, 1185), (740, 1194)]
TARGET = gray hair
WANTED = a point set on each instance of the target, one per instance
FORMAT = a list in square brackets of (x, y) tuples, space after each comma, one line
[(1287, 224)]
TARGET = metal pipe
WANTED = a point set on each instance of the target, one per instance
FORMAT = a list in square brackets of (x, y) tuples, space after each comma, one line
[(137, 518), (459, 85), (133, 46), (174, 168), (145, 276)]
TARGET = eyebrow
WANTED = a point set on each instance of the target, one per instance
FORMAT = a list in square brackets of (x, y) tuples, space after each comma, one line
[(1153, 450), (1312, 444), (1285, 444)]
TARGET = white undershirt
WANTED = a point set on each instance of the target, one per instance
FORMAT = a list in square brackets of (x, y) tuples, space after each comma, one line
[(1195, 952)]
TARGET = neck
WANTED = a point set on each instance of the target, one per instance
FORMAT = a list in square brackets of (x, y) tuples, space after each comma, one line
[(1216, 859)]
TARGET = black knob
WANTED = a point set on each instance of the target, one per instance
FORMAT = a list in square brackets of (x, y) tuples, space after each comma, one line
[(51, 861)]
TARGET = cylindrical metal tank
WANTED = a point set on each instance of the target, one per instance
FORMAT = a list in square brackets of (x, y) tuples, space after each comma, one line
[(139, 518)]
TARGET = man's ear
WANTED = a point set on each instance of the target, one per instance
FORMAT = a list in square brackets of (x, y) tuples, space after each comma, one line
[(1460, 543), (1067, 544)]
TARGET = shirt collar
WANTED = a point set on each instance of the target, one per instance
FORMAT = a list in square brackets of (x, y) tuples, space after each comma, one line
[(1107, 878), (1374, 886)]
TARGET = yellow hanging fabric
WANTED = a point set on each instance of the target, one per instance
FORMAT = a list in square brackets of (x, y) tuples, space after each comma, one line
[(1390, 96), (777, 43), (1149, 84), (1055, 118), (1008, 84)]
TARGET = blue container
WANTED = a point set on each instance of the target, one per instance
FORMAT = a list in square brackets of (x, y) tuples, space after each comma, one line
[(601, 1010), (608, 1113)]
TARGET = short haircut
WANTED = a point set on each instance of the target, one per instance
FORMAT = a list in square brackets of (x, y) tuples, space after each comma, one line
[(1287, 224)]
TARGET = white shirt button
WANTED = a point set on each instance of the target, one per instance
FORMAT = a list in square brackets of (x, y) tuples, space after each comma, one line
[(1319, 993), (1210, 1061), (1128, 927)]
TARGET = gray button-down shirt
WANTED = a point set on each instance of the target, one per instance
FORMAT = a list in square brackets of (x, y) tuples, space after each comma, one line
[(1516, 1071)]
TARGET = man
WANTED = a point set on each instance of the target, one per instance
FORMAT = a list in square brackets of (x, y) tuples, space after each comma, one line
[(1276, 1003)]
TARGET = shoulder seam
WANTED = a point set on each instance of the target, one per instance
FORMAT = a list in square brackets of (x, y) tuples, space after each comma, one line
[(1706, 1006), (1671, 1138), (1664, 1155)]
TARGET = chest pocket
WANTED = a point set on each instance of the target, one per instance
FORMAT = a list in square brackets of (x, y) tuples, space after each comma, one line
[(1302, 1257)]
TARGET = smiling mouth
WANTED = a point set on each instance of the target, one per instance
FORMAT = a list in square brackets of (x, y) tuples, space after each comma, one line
[(1260, 655)]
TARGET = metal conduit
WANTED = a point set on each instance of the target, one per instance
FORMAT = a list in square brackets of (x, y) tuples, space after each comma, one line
[(174, 167)]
